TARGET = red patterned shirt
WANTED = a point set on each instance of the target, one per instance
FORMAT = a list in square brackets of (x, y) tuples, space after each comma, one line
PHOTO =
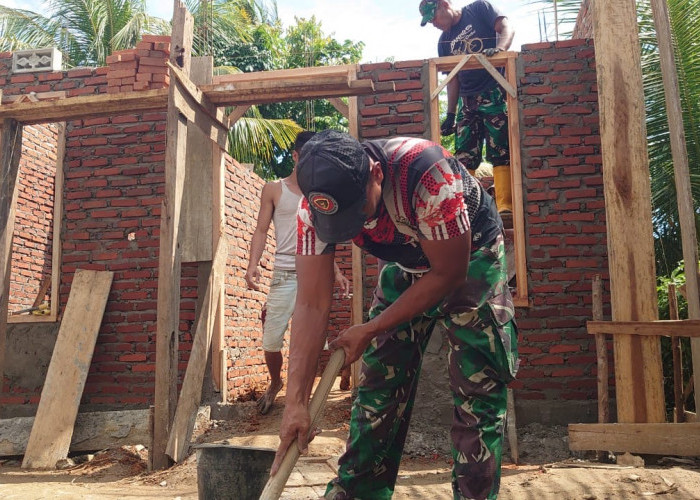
[(426, 194)]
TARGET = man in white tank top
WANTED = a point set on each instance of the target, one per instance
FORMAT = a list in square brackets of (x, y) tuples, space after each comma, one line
[(278, 203)]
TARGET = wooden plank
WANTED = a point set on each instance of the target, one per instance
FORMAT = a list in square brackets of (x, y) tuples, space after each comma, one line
[(82, 107), (686, 208), (191, 393), (235, 95), (11, 144), (638, 372), (169, 272), (446, 63), (651, 438), (516, 177), (196, 217), (60, 397), (218, 352), (93, 431), (434, 104), (282, 75), (237, 114), (357, 304), (339, 105), (57, 222), (181, 37), (665, 328), (601, 348), (678, 403), (450, 76)]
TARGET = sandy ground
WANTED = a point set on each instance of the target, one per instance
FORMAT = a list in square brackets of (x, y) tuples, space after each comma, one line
[(547, 470)]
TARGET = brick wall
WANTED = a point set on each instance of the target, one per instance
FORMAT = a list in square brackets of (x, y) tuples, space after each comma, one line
[(114, 186), (33, 238), (565, 229)]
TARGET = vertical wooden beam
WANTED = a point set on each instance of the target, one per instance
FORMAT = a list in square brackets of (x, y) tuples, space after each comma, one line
[(181, 38), (601, 347), (679, 152), (638, 374), (57, 222), (516, 179), (357, 304), (11, 144), (169, 272), (433, 104), (218, 349), (196, 219), (679, 403)]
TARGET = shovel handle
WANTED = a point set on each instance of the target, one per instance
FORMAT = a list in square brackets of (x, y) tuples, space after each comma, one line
[(275, 485)]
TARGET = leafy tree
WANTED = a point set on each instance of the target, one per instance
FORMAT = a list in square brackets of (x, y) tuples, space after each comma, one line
[(85, 31)]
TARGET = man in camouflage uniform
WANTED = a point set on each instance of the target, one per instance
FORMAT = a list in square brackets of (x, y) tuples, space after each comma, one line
[(413, 205), (474, 99)]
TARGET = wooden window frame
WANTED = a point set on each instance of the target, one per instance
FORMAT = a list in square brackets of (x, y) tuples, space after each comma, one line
[(506, 60)]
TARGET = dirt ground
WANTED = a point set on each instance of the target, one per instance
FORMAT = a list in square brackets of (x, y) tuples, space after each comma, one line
[(547, 470)]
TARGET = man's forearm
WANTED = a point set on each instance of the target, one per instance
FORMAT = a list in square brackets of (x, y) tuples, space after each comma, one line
[(257, 246)]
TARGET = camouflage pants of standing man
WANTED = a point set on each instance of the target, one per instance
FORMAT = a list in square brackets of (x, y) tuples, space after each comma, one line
[(482, 334)]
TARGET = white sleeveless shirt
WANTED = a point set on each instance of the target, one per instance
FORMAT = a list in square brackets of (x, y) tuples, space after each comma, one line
[(285, 221)]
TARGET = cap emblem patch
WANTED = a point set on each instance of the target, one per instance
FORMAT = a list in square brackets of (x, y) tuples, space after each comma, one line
[(324, 203)]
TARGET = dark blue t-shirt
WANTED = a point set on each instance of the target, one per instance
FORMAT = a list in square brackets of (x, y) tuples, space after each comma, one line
[(474, 32)]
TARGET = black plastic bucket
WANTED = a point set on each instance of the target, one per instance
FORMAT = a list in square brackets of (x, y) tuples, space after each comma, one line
[(227, 472)]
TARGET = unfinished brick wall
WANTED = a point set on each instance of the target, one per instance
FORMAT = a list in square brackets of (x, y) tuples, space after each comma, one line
[(33, 238), (566, 229)]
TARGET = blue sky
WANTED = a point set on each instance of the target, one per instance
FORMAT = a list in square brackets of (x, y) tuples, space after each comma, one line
[(389, 28)]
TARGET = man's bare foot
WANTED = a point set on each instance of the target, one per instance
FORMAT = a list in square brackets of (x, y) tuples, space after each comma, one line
[(265, 402)]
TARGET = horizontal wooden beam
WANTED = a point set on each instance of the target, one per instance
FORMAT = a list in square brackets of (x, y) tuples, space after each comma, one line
[(447, 63), (236, 95), (309, 73), (654, 439), (77, 108), (668, 328)]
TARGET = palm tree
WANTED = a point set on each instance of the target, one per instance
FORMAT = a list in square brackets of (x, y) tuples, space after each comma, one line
[(685, 27), (85, 31)]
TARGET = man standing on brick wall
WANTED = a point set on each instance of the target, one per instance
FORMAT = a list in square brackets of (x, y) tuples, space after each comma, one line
[(411, 203), (474, 98), (279, 201)]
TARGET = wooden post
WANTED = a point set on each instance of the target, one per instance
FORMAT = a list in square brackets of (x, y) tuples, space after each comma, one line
[(169, 271), (516, 181), (679, 403), (433, 107), (357, 306), (11, 144), (679, 152), (601, 347), (638, 373), (170, 255)]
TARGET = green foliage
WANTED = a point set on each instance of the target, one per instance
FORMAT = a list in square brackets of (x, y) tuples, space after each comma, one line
[(85, 31), (270, 47)]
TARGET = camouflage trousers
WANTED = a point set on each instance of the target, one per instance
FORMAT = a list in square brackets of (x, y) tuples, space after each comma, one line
[(482, 334), (480, 118)]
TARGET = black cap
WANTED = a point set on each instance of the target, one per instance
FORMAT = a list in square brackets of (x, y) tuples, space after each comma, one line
[(332, 172)]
